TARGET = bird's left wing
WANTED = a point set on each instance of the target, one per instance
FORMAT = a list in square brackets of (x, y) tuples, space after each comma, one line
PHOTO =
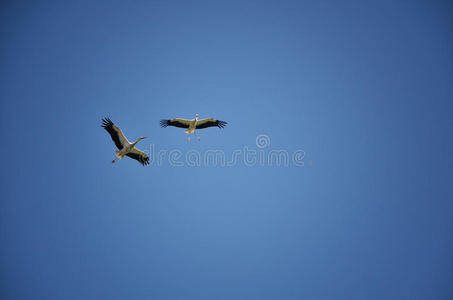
[(115, 132), (205, 123), (138, 155), (181, 123)]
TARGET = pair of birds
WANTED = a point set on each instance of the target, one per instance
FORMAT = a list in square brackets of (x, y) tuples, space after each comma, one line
[(126, 148)]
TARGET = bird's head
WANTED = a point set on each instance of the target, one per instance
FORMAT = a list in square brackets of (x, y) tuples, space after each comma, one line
[(196, 116), (142, 137)]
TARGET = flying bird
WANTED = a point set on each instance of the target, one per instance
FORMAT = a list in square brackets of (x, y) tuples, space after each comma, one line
[(125, 148), (193, 124)]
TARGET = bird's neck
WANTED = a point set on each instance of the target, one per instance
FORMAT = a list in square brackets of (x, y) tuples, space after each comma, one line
[(138, 140)]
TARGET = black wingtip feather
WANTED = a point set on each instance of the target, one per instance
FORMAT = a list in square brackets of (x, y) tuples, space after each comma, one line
[(222, 124), (106, 122), (164, 123), (144, 161)]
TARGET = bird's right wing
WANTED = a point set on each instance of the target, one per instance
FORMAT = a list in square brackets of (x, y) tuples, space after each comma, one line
[(115, 132), (205, 123), (181, 123), (139, 155)]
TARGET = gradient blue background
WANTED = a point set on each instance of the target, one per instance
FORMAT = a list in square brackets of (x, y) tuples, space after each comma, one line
[(364, 87)]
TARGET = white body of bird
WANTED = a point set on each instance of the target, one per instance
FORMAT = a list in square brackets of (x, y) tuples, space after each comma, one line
[(128, 148), (192, 125)]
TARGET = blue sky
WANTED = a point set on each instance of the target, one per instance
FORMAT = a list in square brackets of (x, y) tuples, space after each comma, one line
[(363, 87)]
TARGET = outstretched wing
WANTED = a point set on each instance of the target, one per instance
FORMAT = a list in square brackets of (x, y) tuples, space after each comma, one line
[(181, 123), (139, 156), (115, 132), (205, 123)]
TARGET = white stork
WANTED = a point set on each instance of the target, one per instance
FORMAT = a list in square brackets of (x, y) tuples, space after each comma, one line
[(193, 124), (125, 148)]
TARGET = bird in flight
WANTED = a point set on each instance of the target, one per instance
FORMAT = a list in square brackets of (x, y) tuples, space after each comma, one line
[(193, 124), (125, 148)]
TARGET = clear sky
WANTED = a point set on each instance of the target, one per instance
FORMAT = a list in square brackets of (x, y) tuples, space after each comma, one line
[(364, 88)]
